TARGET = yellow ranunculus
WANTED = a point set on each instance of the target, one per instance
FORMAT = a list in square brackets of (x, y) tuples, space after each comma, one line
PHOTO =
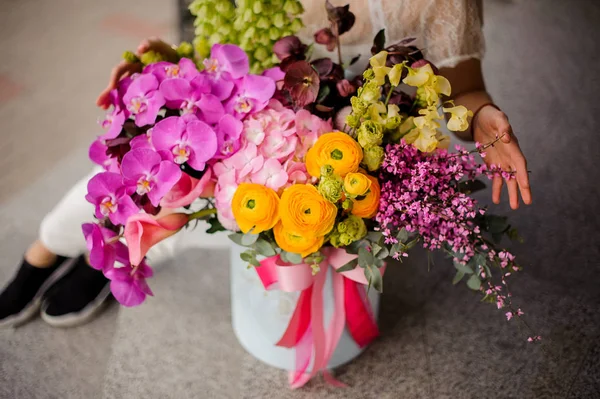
[(419, 76), (356, 184), (459, 120), (303, 210), (337, 149), (255, 207), (296, 243), (368, 206), (378, 64)]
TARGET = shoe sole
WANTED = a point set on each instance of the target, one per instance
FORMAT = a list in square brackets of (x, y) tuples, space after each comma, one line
[(77, 318), (33, 307)]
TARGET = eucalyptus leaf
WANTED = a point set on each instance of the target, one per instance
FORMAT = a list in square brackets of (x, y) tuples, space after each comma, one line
[(374, 236), (348, 266), (264, 248), (365, 257), (373, 275), (383, 253), (457, 277), (474, 283), (463, 268), (402, 235), (291, 257), (497, 224), (246, 256), (237, 238), (249, 239), (215, 226), (375, 248)]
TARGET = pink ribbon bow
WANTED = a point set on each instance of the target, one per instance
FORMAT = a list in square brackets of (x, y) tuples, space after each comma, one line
[(306, 331)]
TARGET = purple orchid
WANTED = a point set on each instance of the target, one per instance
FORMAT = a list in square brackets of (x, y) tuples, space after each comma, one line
[(97, 154), (103, 246), (107, 192), (185, 69), (193, 97), (145, 172), (143, 100), (251, 94), (186, 139), (229, 130), (128, 284), (113, 123), (227, 63), (142, 141)]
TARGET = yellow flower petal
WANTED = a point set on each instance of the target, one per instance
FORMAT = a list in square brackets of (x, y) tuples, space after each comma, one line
[(418, 76), (442, 85), (379, 59), (395, 74)]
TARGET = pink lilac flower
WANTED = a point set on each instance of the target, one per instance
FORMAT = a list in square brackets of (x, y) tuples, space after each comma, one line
[(108, 194), (185, 69), (229, 130), (143, 100), (251, 94), (193, 97), (186, 139), (97, 154), (128, 284), (147, 174), (103, 246)]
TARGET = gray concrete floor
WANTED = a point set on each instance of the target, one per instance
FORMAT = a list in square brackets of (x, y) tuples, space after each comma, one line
[(437, 340)]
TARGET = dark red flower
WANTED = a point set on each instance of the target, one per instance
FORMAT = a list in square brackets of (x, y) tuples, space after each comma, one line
[(341, 17), (289, 46), (345, 88), (302, 81), (326, 37)]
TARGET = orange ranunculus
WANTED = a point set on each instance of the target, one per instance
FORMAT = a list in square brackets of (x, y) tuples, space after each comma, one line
[(296, 243), (255, 207), (368, 206), (303, 210), (356, 184), (337, 149)]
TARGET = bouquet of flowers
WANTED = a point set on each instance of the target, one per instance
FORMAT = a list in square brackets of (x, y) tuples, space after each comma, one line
[(307, 168)]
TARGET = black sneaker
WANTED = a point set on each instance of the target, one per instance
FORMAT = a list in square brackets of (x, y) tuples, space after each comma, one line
[(21, 298), (76, 298)]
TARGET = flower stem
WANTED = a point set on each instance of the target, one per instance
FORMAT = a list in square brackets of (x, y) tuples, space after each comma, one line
[(202, 214), (338, 45), (387, 99)]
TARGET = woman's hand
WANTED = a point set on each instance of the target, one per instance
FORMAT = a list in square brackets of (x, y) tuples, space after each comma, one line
[(125, 68), (488, 125)]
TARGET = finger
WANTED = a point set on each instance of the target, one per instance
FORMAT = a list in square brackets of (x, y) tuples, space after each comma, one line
[(143, 47), (523, 181), (513, 193), (496, 189), (103, 99)]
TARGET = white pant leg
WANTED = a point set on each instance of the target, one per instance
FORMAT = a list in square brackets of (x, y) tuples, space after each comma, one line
[(60, 231)]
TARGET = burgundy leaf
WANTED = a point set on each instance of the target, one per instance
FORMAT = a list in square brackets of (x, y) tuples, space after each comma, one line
[(323, 66), (289, 46)]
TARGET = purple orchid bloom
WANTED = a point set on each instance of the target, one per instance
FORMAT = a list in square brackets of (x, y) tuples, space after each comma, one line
[(251, 94), (128, 284), (142, 141), (229, 130), (97, 154), (227, 63), (186, 139), (113, 123), (143, 100), (103, 246), (107, 192), (145, 172), (185, 69), (193, 97)]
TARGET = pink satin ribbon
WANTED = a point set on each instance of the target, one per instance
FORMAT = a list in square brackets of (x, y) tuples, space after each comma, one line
[(306, 331)]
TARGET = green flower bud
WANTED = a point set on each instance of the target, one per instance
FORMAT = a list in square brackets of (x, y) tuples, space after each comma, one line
[(331, 188), (151, 57), (347, 204), (373, 157), (359, 106), (276, 4), (202, 47), (261, 54), (185, 50), (326, 170), (130, 57), (263, 23), (421, 97), (263, 39), (274, 34), (248, 15), (255, 68), (369, 74), (353, 120), (370, 92), (351, 229), (279, 20), (370, 134), (393, 122), (346, 239), (296, 25), (257, 7), (216, 38), (225, 8), (334, 238), (293, 7)]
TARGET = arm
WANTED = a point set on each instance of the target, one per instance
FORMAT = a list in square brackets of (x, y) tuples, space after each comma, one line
[(489, 123)]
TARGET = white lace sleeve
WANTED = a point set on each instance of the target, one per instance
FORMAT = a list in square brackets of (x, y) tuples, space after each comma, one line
[(452, 32)]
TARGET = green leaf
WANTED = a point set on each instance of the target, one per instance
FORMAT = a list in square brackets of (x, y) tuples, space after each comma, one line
[(365, 257), (249, 239), (463, 268), (383, 253), (497, 224), (215, 226), (236, 238), (471, 186), (457, 277), (474, 283), (402, 235), (411, 244), (375, 248), (323, 93), (375, 236), (247, 255), (291, 257), (353, 60), (264, 248), (348, 266), (374, 278)]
